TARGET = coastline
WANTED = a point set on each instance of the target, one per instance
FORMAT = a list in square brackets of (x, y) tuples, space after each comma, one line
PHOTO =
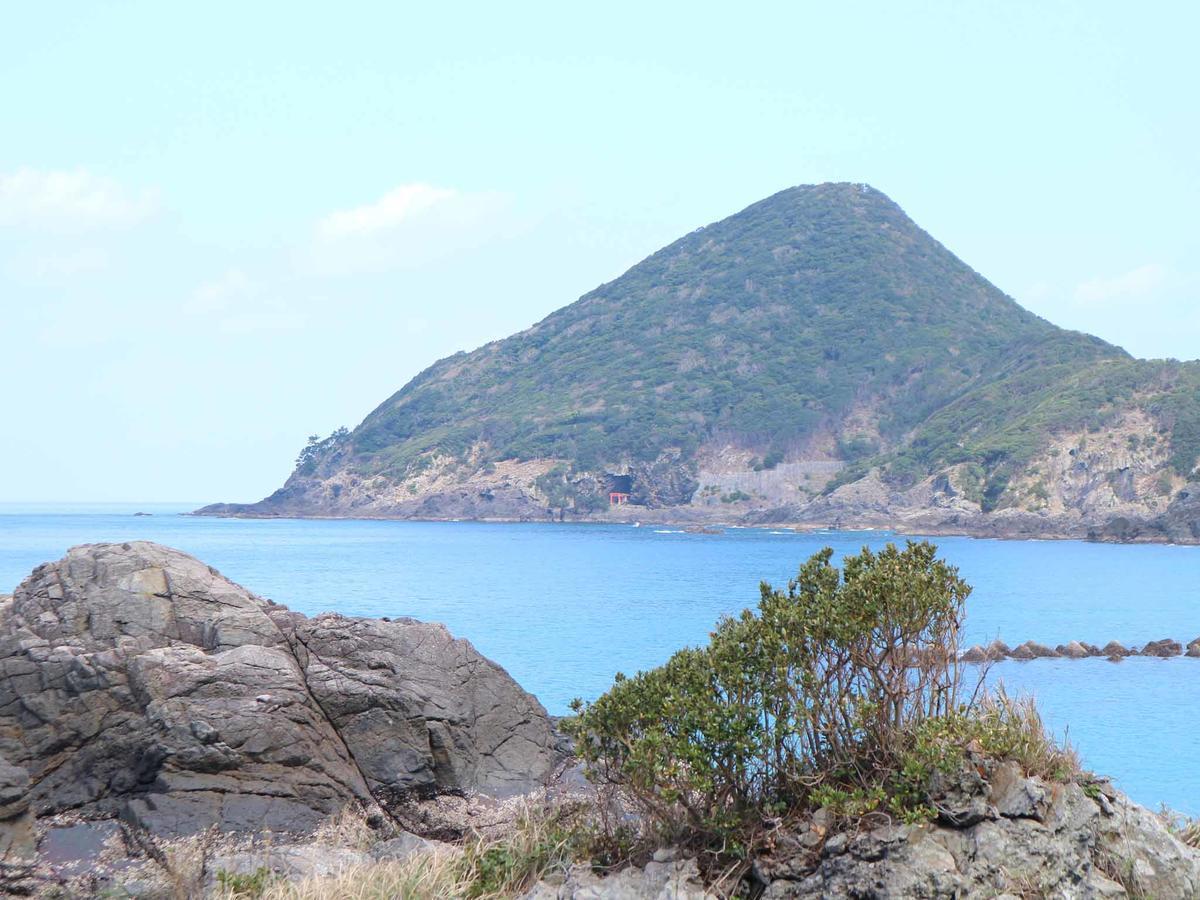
[(988, 529)]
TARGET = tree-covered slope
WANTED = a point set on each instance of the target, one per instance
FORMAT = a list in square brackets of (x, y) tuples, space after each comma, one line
[(762, 328), (820, 327)]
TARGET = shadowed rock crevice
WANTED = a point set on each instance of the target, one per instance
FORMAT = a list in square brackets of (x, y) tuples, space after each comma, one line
[(136, 681)]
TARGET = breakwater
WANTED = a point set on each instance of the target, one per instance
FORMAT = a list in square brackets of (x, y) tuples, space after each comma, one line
[(1113, 650)]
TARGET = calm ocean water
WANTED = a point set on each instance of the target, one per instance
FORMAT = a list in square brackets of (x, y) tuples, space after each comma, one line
[(563, 607)]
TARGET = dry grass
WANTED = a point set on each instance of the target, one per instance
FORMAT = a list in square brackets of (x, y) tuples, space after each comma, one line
[(424, 876), (1012, 728), (179, 866), (348, 829), (1184, 828), (1190, 834), (543, 839)]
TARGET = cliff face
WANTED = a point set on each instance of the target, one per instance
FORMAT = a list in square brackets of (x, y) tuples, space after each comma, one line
[(816, 357)]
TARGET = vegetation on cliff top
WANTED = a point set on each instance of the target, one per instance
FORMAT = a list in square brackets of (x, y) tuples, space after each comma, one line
[(843, 691)]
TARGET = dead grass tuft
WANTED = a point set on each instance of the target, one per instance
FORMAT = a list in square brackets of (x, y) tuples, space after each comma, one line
[(423, 876), (348, 828), (1012, 728)]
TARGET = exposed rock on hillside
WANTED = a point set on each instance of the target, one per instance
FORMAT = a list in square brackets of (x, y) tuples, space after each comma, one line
[(137, 681)]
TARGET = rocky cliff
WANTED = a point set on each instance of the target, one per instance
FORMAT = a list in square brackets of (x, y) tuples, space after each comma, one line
[(137, 682), (816, 358), (999, 834)]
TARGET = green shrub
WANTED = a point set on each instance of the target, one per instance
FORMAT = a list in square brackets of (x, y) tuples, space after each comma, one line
[(814, 696), (251, 884), (542, 841)]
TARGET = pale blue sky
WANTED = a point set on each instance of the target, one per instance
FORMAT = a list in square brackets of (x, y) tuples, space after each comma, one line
[(223, 230)]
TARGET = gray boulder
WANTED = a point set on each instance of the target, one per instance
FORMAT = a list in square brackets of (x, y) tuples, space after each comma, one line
[(664, 878), (1073, 650), (404, 846), (998, 650), (975, 654), (419, 711), (137, 681), (1039, 839), (291, 862), (16, 823), (18, 841), (1163, 649), (1033, 650), (1151, 861)]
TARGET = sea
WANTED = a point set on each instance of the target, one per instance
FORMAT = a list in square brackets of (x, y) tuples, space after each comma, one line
[(564, 607)]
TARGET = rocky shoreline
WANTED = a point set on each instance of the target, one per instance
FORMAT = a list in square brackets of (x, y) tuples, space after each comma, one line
[(153, 712), (1087, 505), (1181, 528)]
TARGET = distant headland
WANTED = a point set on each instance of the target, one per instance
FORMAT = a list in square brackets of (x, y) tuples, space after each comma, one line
[(815, 360)]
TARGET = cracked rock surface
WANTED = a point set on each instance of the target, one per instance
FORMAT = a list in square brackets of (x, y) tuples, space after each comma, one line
[(1079, 840), (137, 681)]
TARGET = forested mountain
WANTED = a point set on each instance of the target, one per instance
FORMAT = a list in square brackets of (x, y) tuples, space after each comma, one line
[(816, 357)]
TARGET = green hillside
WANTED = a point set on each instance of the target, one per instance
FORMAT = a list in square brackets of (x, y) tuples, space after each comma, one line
[(761, 328), (819, 326)]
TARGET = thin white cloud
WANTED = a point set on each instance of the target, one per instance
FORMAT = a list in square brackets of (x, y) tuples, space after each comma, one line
[(232, 289), (1132, 285), (393, 208), (52, 266), (236, 304), (410, 226), (70, 200)]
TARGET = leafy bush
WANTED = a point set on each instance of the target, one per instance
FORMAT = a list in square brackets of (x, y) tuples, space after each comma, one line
[(818, 692), (999, 727), (859, 446), (768, 462)]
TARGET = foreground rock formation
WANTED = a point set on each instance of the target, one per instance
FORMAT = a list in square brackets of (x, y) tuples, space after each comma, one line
[(142, 693), (136, 681), (998, 834)]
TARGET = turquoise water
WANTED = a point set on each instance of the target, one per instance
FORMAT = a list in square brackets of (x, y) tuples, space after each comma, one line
[(564, 607)]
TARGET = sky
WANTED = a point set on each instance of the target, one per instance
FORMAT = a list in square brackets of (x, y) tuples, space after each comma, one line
[(229, 226)]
